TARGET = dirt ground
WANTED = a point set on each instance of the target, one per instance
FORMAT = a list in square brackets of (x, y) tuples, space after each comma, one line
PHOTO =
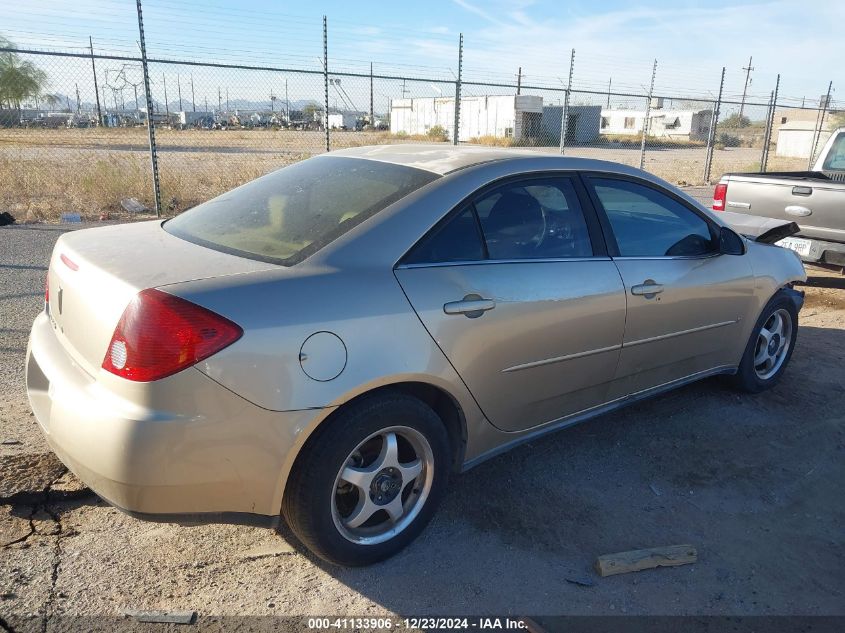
[(754, 482)]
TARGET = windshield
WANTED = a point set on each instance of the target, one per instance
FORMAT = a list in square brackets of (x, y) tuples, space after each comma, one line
[(291, 213), (835, 160)]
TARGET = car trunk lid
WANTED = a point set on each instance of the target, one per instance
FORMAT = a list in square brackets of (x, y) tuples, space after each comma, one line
[(95, 273), (759, 229)]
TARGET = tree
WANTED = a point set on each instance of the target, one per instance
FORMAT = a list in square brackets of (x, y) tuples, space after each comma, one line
[(735, 120), (19, 79)]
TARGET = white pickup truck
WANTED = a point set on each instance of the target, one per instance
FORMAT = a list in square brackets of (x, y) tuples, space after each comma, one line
[(814, 200)]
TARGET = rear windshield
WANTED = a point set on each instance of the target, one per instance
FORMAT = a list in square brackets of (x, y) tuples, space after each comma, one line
[(835, 160), (291, 213)]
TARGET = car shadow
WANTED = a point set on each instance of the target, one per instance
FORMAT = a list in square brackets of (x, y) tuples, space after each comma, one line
[(834, 281), (704, 465)]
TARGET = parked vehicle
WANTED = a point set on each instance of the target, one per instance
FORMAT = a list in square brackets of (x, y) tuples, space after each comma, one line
[(815, 200), (333, 340)]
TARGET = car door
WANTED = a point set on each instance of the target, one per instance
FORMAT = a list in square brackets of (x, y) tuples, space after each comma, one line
[(516, 288), (685, 300)]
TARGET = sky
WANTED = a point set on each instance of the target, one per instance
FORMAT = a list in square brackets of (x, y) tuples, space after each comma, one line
[(615, 43)]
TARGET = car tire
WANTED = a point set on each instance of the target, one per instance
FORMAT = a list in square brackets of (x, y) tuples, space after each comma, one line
[(324, 510), (762, 365)]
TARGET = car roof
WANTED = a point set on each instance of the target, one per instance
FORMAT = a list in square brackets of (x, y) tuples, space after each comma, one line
[(443, 159)]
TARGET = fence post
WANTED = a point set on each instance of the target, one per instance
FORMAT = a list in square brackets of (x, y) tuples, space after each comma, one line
[(372, 112), (768, 139), (647, 116), (150, 125), (96, 89), (564, 115), (819, 125), (326, 81), (763, 158), (456, 133), (711, 137)]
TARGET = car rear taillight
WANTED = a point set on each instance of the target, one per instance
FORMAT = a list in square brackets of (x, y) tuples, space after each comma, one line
[(720, 194), (159, 335)]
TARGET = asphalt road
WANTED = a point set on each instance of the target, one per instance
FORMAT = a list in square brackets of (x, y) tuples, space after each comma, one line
[(753, 482)]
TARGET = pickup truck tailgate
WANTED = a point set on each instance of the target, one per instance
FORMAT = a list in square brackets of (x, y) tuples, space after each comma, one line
[(818, 207)]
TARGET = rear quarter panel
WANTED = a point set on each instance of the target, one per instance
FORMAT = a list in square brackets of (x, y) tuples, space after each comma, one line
[(366, 308)]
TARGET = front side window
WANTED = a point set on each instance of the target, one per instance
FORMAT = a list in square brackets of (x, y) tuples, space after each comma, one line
[(648, 223), (291, 213), (534, 219)]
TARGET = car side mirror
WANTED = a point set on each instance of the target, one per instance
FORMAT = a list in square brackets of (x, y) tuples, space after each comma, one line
[(730, 243)]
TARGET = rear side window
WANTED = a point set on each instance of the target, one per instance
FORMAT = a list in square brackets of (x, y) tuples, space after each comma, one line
[(534, 219), (537, 218), (459, 240), (648, 223), (291, 213)]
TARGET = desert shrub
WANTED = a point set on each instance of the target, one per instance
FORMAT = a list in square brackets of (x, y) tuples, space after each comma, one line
[(438, 133)]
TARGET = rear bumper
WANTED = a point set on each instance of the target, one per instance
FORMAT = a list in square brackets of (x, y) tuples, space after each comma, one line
[(824, 252), (183, 449)]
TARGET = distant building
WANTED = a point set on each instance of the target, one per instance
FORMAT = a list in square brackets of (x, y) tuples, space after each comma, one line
[(503, 116), (582, 123), (788, 116), (795, 139), (346, 120), (692, 125), (190, 119)]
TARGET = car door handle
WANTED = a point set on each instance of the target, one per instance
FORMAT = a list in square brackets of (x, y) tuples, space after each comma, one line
[(471, 306), (802, 191), (797, 210), (647, 289)]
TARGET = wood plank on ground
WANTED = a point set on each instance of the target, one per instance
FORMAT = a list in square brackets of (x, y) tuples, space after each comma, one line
[(639, 559)]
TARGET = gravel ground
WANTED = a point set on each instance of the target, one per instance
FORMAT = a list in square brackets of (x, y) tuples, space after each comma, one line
[(753, 482)]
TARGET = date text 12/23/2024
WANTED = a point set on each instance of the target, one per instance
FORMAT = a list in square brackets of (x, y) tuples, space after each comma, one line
[(416, 624)]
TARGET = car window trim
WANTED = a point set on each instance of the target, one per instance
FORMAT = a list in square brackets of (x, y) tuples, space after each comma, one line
[(610, 236), (591, 218), (485, 262)]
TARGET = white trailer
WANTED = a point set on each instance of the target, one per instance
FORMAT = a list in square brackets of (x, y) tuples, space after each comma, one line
[(517, 116), (693, 125)]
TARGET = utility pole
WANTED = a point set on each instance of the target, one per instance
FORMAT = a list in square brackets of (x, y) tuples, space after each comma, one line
[(519, 81), (150, 126), (179, 89), (609, 84), (287, 103), (456, 135), (193, 97), (227, 100), (219, 100), (747, 70), (96, 90), (77, 99)]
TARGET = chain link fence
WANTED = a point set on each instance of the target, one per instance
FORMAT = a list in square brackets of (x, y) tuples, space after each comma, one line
[(86, 149)]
